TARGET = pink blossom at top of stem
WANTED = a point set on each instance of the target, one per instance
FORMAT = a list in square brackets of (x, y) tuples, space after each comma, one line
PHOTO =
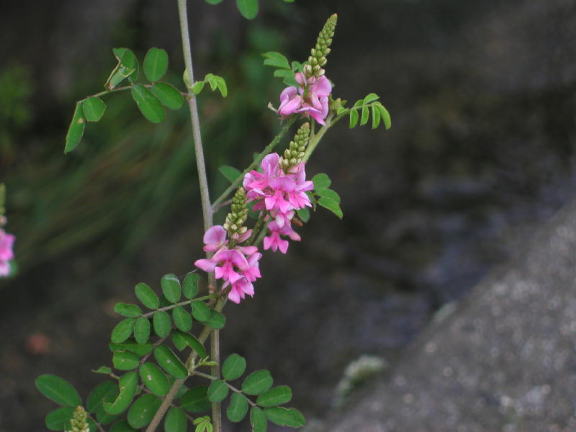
[(310, 97), (237, 267), (6, 252)]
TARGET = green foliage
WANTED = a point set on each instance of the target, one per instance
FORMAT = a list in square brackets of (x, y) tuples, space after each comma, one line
[(168, 95), (237, 408), (154, 379), (183, 340), (175, 420), (327, 198), (149, 106), (127, 66), (142, 330), (182, 319), (190, 285), (196, 400), (146, 295), (230, 173), (142, 411), (248, 8), (58, 390), (127, 385), (155, 64), (170, 362), (290, 417), (123, 330), (203, 424), (127, 310), (275, 396), (59, 419), (93, 108), (201, 311), (258, 420), (105, 392), (125, 360), (283, 68), (233, 367), (75, 130), (162, 323), (215, 82), (363, 108), (171, 288), (217, 391), (257, 382)]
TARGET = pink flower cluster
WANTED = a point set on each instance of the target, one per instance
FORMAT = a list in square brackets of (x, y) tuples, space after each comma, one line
[(280, 194), (309, 98), (238, 267), (6, 252)]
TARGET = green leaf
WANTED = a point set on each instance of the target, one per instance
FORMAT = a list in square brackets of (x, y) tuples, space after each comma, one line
[(290, 417), (230, 173), (277, 60), (237, 408), (142, 411), (171, 288), (146, 295), (190, 285), (104, 392), (124, 360), (200, 311), (128, 60), (127, 310), (248, 8), (375, 116), (217, 83), (170, 362), (162, 323), (331, 194), (142, 330), (275, 396), (58, 390), (196, 400), (149, 106), (168, 95), (370, 97), (93, 109), (155, 64), (385, 116), (127, 385), (353, 118), (127, 66), (321, 181), (154, 379), (59, 420), (197, 87), (122, 426), (213, 2), (217, 391), (258, 420), (105, 370), (257, 382), (365, 115), (216, 320), (75, 130), (331, 205), (123, 330), (303, 214), (139, 349), (182, 319), (181, 340), (233, 367), (175, 420)]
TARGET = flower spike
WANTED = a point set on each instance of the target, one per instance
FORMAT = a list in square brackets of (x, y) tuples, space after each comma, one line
[(317, 60), (236, 219), (294, 154)]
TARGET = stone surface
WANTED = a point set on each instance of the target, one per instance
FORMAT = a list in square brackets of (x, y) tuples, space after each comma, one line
[(504, 360)]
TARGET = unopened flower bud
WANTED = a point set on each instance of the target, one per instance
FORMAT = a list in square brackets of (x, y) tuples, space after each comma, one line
[(79, 421), (295, 152), (321, 49)]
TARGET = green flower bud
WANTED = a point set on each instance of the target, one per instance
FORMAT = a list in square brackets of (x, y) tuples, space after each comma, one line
[(318, 54), (238, 215), (79, 421), (294, 154)]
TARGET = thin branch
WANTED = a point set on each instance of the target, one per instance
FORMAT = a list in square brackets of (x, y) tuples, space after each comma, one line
[(175, 305), (230, 189), (230, 386)]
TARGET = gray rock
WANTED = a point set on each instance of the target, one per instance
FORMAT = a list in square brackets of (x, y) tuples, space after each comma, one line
[(504, 360)]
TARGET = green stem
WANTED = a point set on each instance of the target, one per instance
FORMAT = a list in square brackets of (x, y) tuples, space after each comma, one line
[(175, 305), (230, 386), (255, 163)]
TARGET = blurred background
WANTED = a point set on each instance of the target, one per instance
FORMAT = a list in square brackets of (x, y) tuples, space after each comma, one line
[(480, 154)]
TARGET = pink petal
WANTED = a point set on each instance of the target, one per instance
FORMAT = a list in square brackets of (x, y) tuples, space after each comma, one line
[(206, 265), (322, 86), (215, 235)]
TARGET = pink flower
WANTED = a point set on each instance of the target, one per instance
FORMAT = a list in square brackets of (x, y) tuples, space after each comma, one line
[(275, 241), (309, 98), (237, 267), (6, 252)]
